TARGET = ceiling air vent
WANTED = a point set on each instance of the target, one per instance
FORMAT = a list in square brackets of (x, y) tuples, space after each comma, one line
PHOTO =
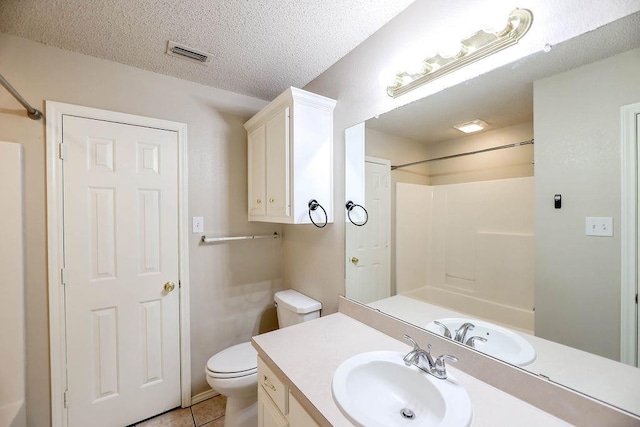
[(188, 53)]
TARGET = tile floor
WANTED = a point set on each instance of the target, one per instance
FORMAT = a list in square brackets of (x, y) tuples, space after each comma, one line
[(209, 413)]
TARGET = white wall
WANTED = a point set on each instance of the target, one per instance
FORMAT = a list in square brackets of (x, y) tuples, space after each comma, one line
[(231, 284), (578, 152), (479, 255), (414, 207), (314, 259)]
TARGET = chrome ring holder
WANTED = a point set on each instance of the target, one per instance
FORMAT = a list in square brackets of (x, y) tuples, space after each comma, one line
[(314, 205), (350, 206)]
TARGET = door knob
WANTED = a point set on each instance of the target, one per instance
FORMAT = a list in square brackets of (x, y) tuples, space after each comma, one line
[(355, 260), (169, 286)]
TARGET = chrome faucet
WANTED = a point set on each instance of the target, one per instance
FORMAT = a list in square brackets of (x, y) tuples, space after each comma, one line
[(437, 367), (417, 354), (461, 333), (447, 332), (471, 342)]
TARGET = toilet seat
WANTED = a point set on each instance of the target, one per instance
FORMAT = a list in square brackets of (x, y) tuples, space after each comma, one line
[(236, 361)]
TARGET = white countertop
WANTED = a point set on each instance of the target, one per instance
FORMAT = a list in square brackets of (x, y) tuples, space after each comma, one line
[(309, 353)]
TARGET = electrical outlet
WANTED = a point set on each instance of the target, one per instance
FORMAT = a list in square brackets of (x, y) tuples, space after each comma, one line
[(198, 224), (599, 226)]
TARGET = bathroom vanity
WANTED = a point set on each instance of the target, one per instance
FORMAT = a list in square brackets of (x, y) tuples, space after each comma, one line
[(277, 405), (295, 380)]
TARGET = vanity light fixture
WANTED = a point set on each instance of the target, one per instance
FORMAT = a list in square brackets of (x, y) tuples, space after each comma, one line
[(478, 46), (472, 126)]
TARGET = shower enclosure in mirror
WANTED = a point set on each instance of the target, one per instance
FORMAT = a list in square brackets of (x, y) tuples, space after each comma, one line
[(477, 247)]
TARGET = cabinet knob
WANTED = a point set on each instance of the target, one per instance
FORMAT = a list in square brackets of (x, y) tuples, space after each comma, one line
[(355, 260), (271, 200), (259, 201)]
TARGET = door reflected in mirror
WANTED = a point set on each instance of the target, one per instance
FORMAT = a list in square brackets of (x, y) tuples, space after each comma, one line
[(477, 243)]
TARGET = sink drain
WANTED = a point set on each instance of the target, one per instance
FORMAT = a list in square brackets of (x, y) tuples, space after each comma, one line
[(407, 413)]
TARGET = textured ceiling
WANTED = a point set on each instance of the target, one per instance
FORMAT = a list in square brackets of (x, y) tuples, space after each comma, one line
[(259, 47), (504, 97)]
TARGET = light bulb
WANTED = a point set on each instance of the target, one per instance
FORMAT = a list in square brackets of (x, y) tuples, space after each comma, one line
[(449, 47), (495, 23), (415, 66)]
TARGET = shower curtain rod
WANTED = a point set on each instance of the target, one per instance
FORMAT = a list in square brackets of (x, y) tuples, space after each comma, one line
[(453, 156), (31, 112)]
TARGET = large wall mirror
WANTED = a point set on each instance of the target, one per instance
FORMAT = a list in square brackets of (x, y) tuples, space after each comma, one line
[(510, 240)]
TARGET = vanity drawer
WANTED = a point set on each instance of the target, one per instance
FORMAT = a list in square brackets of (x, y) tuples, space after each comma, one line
[(273, 387)]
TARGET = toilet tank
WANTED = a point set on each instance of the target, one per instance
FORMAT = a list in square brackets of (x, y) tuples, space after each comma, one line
[(294, 307)]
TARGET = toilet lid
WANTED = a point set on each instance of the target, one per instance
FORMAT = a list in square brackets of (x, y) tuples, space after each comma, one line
[(239, 358)]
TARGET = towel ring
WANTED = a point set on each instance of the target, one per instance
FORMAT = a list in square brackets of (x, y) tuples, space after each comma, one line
[(313, 205), (350, 206)]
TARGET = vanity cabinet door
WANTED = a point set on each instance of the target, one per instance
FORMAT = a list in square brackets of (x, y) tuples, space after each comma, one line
[(277, 406), (298, 417), (268, 413)]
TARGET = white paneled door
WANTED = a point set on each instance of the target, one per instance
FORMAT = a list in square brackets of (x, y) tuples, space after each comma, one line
[(120, 271), (367, 247)]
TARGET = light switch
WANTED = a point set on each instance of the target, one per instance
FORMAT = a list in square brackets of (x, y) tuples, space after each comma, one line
[(599, 226), (198, 224)]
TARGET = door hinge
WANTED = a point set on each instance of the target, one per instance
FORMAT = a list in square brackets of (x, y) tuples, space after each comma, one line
[(66, 398), (636, 299), (180, 286), (61, 151), (62, 278)]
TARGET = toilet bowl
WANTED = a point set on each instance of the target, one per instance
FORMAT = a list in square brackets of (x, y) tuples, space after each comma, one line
[(233, 372)]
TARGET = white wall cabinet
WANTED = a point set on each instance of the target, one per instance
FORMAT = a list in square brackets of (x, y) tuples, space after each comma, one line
[(290, 158), (277, 406)]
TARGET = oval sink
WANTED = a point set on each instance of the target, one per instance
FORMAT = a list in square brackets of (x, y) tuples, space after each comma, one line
[(501, 343), (378, 389)]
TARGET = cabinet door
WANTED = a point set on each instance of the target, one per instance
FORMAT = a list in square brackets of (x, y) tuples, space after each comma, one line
[(277, 165), (268, 413), (256, 145), (298, 417)]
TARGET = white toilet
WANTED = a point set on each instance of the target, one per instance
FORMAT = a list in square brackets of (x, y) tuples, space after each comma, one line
[(233, 371)]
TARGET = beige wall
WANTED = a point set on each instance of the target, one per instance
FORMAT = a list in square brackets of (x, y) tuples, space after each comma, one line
[(231, 284), (501, 164), (577, 151), (12, 308), (399, 150)]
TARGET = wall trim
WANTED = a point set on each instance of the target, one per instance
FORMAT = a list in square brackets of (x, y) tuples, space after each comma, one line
[(57, 340), (205, 395), (629, 334)]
